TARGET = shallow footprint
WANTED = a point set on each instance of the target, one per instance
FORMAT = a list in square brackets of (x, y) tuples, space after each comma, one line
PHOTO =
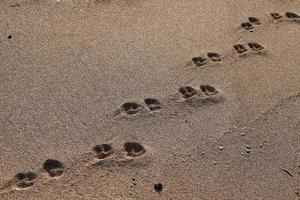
[(239, 48), (199, 61), (25, 179), (254, 20), (247, 25), (255, 46), (53, 167), (276, 15), (214, 57), (187, 91), (131, 108), (153, 104), (292, 15), (103, 150), (134, 149), (208, 89)]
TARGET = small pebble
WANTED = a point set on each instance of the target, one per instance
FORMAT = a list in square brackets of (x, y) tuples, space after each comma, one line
[(158, 187), (243, 134), (221, 148), (248, 150)]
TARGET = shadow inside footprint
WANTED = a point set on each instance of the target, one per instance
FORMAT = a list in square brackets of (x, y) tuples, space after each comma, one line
[(292, 15), (208, 90), (134, 149), (214, 57), (247, 25), (199, 61), (25, 179), (187, 91), (53, 167), (276, 16), (254, 20), (103, 150), (131, 108), (239, 48), (255, 46), (153, 104)]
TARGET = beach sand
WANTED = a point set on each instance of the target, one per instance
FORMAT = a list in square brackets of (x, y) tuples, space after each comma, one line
[(67, 67)]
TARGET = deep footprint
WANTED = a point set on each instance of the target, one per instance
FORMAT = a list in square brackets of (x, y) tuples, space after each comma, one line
[(239, 48), (103, 150), (131, 108), (247, 25), (134, 149), (187, 91), (199, 61), (276, 16), (53, 167), (208, 90), (25, 179), (153, 104), (214, 57), (255, 46), (291, 15), (254, 20)]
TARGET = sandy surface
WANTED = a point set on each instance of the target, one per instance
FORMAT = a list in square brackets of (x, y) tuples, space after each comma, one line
[(67, 66)]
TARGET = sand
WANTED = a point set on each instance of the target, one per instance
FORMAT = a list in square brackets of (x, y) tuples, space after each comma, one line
[(67, 67)]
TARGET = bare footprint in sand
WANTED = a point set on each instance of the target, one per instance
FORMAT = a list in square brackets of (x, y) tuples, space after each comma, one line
[(208, 90), (199, 61), (134, 149), (103, 150), (240, 49), (254, 21), (214, 57), (53, 167), (255, 46), (292, 16), (152, 104), (24, 179), (187, 91)]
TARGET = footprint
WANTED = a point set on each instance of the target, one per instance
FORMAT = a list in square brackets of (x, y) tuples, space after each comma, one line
[(254, 20), (208, 90), (25, 179), (199, 61), (103, 150), (214, 57), (153, 104), (255, 46), (276, 15), (239, 48), (53, 167), (248, 26), (131, 108), (134, 149), (187, 91), (292, 16)]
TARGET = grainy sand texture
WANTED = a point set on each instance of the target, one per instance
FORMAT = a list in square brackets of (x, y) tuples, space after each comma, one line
[(150, 100)]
